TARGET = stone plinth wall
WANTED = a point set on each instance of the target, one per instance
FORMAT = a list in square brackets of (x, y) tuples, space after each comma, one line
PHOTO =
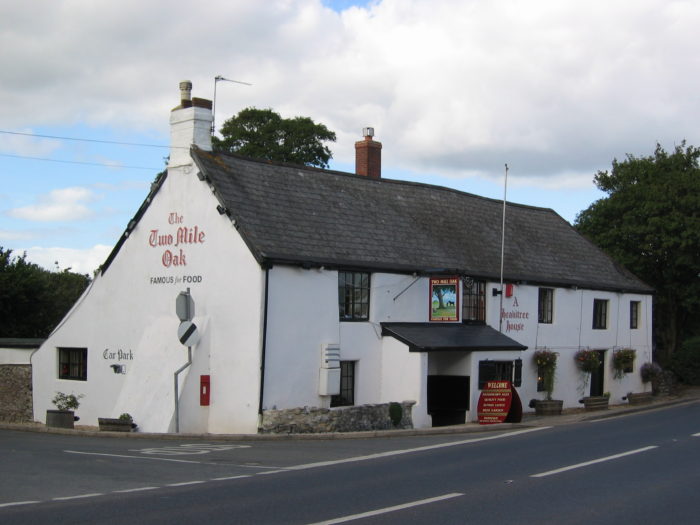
[(309, 420), (16, 393)]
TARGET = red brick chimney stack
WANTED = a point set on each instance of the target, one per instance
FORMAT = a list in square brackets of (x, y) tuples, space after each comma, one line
[(368, 155)]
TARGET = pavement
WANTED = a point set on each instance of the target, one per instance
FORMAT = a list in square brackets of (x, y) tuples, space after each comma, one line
[(684, 395)]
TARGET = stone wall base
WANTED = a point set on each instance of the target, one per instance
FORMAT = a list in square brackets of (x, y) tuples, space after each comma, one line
[(311, 420), (16, 393)]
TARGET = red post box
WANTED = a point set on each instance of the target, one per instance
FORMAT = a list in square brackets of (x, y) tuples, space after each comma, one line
[(204, 390)]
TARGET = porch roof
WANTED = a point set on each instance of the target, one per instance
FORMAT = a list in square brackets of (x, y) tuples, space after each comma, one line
[(431, 337)]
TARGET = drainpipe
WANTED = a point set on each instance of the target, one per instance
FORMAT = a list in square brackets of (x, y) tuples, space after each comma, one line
[(264, 347), (177, 397)]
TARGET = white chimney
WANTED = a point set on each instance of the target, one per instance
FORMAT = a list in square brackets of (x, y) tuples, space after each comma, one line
[(190, 123)]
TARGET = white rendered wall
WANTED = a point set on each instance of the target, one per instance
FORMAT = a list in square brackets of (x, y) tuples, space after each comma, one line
[(127, 317), (571, 330), (303, 315), (15, 356)]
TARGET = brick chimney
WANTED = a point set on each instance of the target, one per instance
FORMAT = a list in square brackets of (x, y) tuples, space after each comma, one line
[(190, 123), (368, 155)]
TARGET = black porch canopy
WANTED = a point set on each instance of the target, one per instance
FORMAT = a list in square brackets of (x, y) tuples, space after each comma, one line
[(432, 337)]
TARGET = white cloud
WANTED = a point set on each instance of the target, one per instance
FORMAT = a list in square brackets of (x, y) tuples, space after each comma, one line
[(23, 143), (66, 204), (455, 86), (16, 235), (78, 260)]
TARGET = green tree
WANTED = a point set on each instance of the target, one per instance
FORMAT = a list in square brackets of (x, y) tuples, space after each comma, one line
[(650, 223), (34, 300), (264, 134)]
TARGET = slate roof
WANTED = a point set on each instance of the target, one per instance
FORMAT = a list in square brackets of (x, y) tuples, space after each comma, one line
[(430, 337), (302, 215)]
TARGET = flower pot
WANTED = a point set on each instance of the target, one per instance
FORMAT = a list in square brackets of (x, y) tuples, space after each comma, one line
[(108, 424), (60, 418), (596, 402), (639, 398), (548, 407)]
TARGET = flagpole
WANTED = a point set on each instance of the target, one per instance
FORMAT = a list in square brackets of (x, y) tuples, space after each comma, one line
[(503, 243)]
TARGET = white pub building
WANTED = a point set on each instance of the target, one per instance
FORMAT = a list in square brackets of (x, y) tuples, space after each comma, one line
[(317, 292)]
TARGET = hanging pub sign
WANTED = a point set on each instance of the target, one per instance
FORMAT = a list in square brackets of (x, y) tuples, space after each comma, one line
[(444, 299)]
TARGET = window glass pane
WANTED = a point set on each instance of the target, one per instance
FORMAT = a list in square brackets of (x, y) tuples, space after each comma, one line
[(72, 363), (346, 397), (473, 307), (353, 296)]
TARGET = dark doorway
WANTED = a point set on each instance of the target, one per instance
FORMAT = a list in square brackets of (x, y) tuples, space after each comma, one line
[(598, 376), (448, 399)]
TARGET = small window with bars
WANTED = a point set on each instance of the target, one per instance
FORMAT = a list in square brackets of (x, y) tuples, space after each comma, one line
[(72, 364), (346, 397)]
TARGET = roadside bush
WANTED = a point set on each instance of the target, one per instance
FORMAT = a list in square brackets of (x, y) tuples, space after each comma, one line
[(685, 362)]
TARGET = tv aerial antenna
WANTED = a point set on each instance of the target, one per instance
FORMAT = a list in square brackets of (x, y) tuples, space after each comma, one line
[(217, 79)]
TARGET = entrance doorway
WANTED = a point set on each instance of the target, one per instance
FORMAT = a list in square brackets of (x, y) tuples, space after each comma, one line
[(448, 399), (598, 376)]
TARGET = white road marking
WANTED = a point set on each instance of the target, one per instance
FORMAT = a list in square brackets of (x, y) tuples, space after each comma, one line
[(131, 457), (15, 503), (187, 449), (386, 510), (408, 450), (185, 483), (697, 435), (79, 496), (592, 462), (279, 470)]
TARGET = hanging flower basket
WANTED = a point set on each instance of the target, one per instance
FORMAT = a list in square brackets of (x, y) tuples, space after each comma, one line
[(650, 372), (623, 362), (587, 360)]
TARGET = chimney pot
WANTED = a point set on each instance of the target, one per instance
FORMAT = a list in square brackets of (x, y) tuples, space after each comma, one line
[(185, 91)]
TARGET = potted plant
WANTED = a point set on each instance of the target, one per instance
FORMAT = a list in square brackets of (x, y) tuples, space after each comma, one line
[(546, 362), (64, 415), (124, 423), (623, 362)]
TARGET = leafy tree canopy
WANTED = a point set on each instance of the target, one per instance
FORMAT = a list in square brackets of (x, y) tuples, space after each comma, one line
[(650, 223), (34, 300), (264, 134)]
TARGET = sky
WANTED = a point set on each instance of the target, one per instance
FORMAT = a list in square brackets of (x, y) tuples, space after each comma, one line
[(455, 90)]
